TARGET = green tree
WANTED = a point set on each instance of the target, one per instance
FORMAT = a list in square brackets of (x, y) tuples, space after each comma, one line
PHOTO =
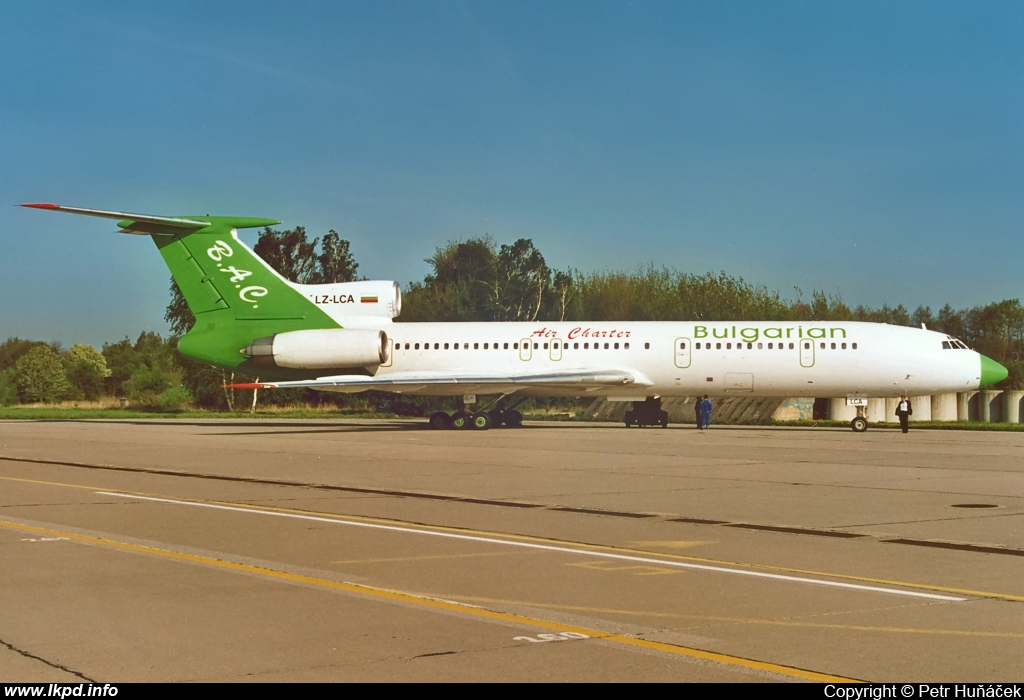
[(520, 282), (39, 376), (459, 286), (335, 262), (13, 349), (8, 388), (289, 252), (86, 369)]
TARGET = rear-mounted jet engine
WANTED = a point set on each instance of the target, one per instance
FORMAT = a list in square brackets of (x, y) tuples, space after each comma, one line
[(333, 348)]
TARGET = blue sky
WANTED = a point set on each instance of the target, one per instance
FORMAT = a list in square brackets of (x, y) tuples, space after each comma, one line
[(869, 149)]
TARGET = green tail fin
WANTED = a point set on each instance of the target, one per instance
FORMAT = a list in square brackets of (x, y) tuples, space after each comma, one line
[(235, 296)]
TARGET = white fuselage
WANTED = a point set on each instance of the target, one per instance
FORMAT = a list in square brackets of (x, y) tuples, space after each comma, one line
[(821, 359)]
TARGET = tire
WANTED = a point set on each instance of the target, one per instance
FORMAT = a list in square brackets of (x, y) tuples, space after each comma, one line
[(664, 419), (513, 419), (859, 425), (440, 420), (629, 419), (460, 420), (497, 418), (480, 421)]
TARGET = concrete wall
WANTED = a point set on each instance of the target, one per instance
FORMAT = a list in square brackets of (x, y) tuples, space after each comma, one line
[(1012, 400), (944, 407), (922, 406), (987, 405), (990, 406)]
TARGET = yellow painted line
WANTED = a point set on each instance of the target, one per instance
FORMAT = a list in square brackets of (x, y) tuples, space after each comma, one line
[(437, 604), (634, 569), (557, 542), (740, 620), (673, 544)]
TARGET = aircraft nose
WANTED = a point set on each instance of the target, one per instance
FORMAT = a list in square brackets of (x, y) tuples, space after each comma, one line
[(991, 371)]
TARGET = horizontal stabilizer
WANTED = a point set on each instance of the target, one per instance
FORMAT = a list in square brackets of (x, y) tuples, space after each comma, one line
[(166, 225)]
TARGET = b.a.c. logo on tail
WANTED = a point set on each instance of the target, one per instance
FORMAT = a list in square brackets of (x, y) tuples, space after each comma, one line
[(249, 295)]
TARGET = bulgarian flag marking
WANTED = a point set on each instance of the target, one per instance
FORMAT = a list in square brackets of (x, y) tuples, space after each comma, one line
[(368, 300)]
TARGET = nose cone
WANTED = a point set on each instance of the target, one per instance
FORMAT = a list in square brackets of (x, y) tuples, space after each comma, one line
[(991, 371)]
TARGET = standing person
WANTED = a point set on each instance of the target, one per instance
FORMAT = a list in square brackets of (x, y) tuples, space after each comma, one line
[(903, 411), (705, 413), (697, 413)]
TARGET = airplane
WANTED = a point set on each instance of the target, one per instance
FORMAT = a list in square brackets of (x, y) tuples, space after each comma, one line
[(342, 338)]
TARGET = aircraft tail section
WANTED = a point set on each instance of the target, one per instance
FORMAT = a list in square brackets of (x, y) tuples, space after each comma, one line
[(235, 296)]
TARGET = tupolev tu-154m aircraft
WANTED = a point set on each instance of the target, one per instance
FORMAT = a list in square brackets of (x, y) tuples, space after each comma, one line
[(342, 338)]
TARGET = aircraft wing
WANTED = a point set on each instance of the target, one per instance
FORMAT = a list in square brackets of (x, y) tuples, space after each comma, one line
[(413, 382)]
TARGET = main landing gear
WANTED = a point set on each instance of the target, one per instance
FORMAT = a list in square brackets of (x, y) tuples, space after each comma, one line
[(478, 420), (647, 412)]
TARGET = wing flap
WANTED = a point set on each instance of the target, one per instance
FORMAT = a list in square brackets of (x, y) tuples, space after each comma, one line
[(424, 381)]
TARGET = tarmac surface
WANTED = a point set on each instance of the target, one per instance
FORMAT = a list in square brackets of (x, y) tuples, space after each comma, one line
[(358, 550)]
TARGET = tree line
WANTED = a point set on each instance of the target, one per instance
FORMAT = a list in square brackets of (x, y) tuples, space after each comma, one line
[(470, 280)]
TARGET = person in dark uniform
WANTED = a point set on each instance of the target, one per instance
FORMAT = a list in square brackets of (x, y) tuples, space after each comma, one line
[(705, 413), (696, 413), (903, 411)]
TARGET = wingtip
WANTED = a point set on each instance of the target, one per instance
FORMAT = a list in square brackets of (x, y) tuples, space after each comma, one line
[(251, 385), (40, 205)]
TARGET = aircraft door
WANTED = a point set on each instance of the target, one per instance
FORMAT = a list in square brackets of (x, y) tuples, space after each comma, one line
[(525, 349), (806, 353), (683, 352), (556, 349)]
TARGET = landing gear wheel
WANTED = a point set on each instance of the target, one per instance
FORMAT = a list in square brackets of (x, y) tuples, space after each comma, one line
[(513, 418), (440, 420), (630, 419), (664, 419), (460, 420), (497, 418), (481, 421), (859, 424)]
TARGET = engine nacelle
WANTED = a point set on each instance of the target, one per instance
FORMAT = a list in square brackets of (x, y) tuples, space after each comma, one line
[(329, 348)]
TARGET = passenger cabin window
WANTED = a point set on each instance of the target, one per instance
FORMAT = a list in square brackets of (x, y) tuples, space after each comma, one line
[(647, 346)]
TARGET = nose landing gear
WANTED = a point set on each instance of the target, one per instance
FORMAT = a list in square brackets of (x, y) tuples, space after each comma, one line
[(860, 423)]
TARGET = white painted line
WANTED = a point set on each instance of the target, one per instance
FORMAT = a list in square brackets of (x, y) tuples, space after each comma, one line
[(546, 547)]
